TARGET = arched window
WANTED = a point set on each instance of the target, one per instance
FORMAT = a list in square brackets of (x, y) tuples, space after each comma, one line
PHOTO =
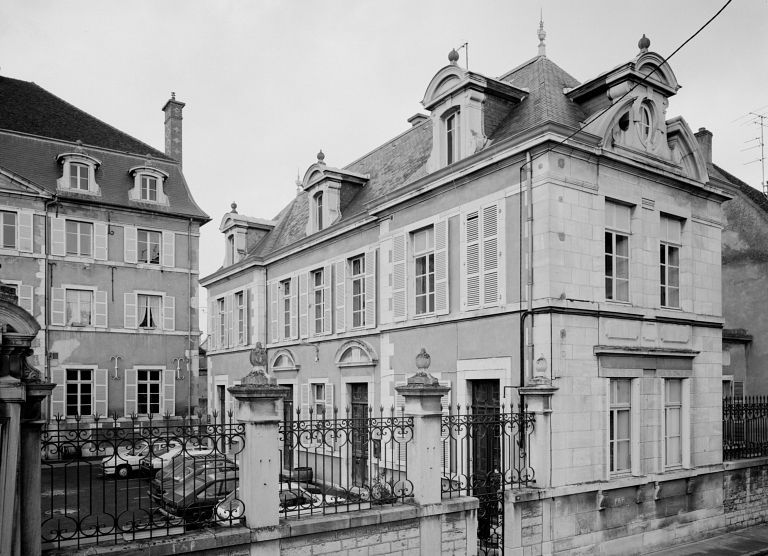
[(319, 210), (646, 122), (452, 138)]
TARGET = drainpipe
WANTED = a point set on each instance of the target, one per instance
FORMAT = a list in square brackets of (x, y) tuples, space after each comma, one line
[(529, 256), (47, 280), (189, 319)]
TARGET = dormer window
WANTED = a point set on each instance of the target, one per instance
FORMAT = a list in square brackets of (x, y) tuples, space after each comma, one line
[(148, 185), (78, 173), (646, 122), (452, 139), (319, 210)]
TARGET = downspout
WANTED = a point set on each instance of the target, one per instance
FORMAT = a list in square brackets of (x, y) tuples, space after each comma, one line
[(529, 259), (189, 319), (47, 280)]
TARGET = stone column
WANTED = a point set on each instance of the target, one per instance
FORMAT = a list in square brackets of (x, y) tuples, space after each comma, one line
[(537, 398)]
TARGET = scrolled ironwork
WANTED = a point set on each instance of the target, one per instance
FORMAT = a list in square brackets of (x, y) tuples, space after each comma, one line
[(745, 427)]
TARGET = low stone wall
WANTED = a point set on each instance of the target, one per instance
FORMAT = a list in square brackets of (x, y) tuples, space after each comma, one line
[(745, 493)]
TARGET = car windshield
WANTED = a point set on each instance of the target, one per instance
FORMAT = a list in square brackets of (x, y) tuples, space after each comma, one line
[(136, 449)]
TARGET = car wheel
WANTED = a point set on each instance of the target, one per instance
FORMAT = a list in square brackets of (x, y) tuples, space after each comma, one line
[(123, 471)]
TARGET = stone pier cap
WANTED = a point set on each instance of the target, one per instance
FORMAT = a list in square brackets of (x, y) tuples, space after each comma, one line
[(422, 386)]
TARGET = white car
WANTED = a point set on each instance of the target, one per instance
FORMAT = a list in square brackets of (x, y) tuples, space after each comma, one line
[(128, 458), (163, 460)]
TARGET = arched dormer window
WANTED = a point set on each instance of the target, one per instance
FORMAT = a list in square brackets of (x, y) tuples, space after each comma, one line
[(318, 210), (645, 122), (78, 173), (452, 137), (148, 185)]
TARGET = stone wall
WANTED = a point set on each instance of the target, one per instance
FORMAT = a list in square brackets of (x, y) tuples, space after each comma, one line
[(745, 493)]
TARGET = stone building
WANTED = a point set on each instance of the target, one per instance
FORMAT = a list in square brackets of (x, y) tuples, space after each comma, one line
[(100, 241)]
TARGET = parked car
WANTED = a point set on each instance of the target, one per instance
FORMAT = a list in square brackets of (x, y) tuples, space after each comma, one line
[(159, 462), (128, 459), (195, 498), (231, 509), (185, 465)]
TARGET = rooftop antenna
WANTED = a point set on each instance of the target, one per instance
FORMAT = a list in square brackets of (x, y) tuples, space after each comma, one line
[(465, 46), (759, 120)]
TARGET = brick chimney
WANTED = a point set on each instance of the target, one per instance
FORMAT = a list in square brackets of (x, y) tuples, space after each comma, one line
[(172, 111), (704, 137)]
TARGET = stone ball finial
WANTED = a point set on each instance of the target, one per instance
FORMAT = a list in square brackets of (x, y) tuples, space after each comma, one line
[(173, 95), (453, 56), (321, 157), (234, 207), (423, 360), (644, 43)]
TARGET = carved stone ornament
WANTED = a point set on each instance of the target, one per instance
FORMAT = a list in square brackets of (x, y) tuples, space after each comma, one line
[(422, 377), (258, 355)]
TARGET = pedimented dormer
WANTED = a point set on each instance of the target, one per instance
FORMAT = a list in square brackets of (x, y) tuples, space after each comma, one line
[(323, 185), (465, 107), (240, 233)]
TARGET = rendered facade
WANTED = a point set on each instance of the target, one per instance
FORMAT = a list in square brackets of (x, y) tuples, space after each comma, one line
[(100, 241)]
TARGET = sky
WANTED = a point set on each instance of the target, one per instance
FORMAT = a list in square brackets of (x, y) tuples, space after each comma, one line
[(268, 83)]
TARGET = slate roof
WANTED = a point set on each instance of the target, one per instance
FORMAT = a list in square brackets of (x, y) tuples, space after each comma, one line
[(40, 126), (402, 160), (754, 195)]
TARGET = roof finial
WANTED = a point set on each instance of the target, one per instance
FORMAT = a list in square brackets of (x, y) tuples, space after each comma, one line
[(298, 182), (234, 208), (542, 35), (643, 44), (453, 56), (320, 157)]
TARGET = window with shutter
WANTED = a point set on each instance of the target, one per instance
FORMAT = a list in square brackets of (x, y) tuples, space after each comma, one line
[(357, 284), (295, 307), (399, 278), (328, 308), (100, 309), (58, 306), (100, 246), (58, 236), (130, 398), (482, 282), (304, 304), (274, 322), (441, 267), (59, 378), (100, 392), (304, 401), (169, 249), (129, 310), (26, 298), (370, 289), (169, 392), (471, 263), (340, 276), (26, 231), (169, 313), (212, 343), (228, 320), (490, 255), (130, 249)]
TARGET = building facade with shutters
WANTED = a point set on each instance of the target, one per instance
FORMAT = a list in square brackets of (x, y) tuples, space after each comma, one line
[(527, 228), (100, 239)]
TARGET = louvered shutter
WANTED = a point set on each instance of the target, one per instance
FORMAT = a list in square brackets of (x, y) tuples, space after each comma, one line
[(295, 307), (470, 265), (502, 290), (100, 392), (100, 245), (59, 378), (26, 231), (253, 322), (58, 236), (341, 276), (399, 278), (243, 336), (169, 392), (169, 313), (304, 401), (131, 392), (26, 298), (273, 313), (129, 310), (445, 405), (169, 249), (401, 447), (129, 244), (399, 399), (441, 267), (329, 401), (100, 309), (228, 340), (304, 320), (58, 306), (327, 301), (490, 255), (370, 289), (212, 344)]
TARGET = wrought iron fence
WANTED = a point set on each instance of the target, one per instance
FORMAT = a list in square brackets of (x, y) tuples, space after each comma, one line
[(112, 479), (484, 453), (745, 427), (332, 464)]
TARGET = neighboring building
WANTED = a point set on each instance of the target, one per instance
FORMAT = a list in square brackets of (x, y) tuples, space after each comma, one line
[(506, 238), (100, 238)]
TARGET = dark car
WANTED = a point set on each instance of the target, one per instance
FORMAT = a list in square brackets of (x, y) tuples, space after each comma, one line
[(193, 499), (184, 467)]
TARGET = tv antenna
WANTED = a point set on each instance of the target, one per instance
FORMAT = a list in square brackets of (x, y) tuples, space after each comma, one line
[(759, 120)]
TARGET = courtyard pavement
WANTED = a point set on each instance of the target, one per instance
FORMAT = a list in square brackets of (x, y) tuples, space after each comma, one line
[(751, 541)]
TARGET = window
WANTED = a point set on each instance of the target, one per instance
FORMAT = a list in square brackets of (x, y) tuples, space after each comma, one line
[(673, 422), (646, 122), (222, 322), (285, 291), (318, 301), (79, 393), (617, 252), (149, 310), (8, 229), (79, 307), (231, 259), (357, 267), (669, 262), (79, 176), (318, 398), (79, 238), (319, 210), (240, 306), (148, 390), (148, 188), (620, 426), (424, 274), (452, 138), (148, 244)]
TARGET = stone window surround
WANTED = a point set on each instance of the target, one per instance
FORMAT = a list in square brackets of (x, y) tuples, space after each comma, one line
[(134, 194), (66, 160)]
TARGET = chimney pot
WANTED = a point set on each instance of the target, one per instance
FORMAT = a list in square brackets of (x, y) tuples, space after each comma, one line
[(173, 109), (704, 137)]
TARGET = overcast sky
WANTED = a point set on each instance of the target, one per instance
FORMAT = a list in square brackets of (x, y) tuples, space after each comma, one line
[(269, 83)]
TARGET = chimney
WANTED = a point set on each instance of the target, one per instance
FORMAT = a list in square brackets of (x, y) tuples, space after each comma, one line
[(704, 137), (417, 118), (172, 111)]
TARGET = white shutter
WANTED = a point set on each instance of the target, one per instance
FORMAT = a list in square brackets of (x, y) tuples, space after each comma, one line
[(304, 320), (26, 231), (59, 378), (100, 247), (340, 277), (131, 391), (129, 244), (501, 238), (370, 289), (212, 324), (327, 299), (169, 313), (100, 393), (445, 405), (58, 236), (295, 307), (100, 309), (273, 313), (129, 310), (304, 401), (26, 299), (399, 399), (58, 306), (228, 340), (399, 278), (329, 401), (470, 264), (441, 267), (253, 322), (490, 255), (169, 392), (169, 249), (243, 336)]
